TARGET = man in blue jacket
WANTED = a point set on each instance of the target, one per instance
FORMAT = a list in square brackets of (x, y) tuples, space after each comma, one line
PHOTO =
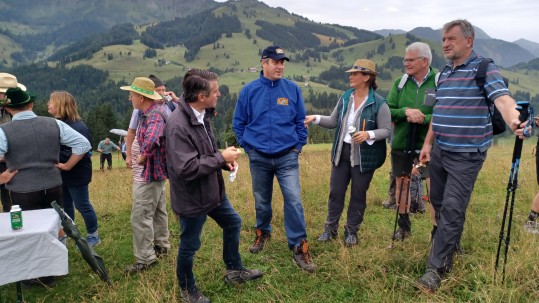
[(268, 122)]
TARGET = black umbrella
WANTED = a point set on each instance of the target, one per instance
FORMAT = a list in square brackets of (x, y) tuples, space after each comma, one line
[(88, 253)]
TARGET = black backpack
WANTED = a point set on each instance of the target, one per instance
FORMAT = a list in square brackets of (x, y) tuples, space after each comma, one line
[(498, 124)]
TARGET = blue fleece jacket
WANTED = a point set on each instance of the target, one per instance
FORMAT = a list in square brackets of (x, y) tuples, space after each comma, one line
[(269, 116)]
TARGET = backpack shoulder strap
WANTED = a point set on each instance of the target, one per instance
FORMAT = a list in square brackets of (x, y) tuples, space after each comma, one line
[(481, 77), (402, 82), (436, 79)]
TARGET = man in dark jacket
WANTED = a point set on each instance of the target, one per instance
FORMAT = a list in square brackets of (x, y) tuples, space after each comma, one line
[(197, 188)]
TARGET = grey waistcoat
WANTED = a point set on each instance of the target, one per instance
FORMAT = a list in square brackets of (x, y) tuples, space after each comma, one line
[(33, 149)]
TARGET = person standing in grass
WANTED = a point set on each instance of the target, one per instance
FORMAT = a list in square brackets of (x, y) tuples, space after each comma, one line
[(532, 224), (6, 81), (410, 101), (457, 141), (75, 182), (105, 148), (149, 219), (197, 188), (268, 123), (362, 124)]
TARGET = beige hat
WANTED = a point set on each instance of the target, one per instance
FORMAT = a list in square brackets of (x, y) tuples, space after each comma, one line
[(364, 66), (143, 86), (7, 81)]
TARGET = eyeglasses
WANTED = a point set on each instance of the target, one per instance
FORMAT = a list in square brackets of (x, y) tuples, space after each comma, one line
[(411, 60)]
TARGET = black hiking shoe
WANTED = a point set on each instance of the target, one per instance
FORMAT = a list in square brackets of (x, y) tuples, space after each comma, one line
[(303, 258), (193, 295), (260, 241), (351, 240), (430, 281), (238, 276), (328, 234), (401, 234), (138, 267)]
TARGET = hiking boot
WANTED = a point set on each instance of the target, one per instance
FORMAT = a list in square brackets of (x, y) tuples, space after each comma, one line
[(532, 227), (401, 234), (328, 235), (351, 240), (138, 267), (303, 258), (260, 240), (93, 240), (160, 251), (389, 203), (193, 295), (430, 281), (417, 206), (238, 276), (405, 227)]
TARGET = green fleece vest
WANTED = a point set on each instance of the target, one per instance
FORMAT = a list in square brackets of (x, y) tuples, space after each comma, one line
[(371, 156)]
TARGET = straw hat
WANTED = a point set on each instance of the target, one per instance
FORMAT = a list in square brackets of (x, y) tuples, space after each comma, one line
[(7, 81), (143, 86), (363, 66)]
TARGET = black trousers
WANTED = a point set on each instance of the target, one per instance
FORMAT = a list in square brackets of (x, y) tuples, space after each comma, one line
[(108, 157), (38, 199)]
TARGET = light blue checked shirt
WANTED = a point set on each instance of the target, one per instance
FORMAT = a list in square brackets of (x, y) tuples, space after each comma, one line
[(68, 136)]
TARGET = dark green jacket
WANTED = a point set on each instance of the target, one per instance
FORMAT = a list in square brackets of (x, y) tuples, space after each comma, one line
[(410, 96)]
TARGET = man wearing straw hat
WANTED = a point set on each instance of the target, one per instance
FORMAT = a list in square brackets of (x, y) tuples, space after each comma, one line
[(6, 81), (149, 219)]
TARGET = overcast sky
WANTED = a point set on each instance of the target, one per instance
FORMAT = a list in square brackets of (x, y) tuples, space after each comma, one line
[(508, 20)]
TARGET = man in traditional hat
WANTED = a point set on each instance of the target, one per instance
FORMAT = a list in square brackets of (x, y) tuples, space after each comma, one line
[(149, 219), (31, 145), (268, 122), (6, 81)]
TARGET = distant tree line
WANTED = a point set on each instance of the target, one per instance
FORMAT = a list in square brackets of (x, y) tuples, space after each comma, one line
[(193, 32), (122, 34)]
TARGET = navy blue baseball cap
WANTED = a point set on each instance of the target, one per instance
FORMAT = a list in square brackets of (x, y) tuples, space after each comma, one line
[(274, 52)]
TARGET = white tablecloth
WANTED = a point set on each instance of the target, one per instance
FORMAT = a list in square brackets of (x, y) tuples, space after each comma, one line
[(33, 251)]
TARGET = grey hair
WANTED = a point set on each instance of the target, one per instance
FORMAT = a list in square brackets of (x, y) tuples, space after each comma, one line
[(422, 49), (465, 27)]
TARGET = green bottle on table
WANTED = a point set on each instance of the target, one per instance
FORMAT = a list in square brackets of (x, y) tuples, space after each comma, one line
[(16, 217)]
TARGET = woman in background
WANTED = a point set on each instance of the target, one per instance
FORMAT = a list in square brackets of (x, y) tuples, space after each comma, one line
[(63, 107)]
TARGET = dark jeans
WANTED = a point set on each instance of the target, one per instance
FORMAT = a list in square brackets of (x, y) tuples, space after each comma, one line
[(338, 184), (78, 197), (104, 157), (229, 220), (452, 179), (38, 199)]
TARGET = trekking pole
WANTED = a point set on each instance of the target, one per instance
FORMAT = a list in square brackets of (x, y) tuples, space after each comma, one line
[(396, 212), (409, 151), (524, 108)]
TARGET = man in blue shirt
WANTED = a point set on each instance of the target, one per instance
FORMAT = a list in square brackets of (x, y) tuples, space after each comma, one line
[(268, 122), (457, 141)]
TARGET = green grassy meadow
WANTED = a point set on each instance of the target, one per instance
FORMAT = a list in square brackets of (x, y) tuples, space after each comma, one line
[(368, 272)]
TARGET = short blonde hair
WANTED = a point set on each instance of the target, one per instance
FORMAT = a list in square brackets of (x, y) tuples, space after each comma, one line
[(66, 107)]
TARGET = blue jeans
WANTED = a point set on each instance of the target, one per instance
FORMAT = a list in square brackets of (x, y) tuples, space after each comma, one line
[(78, 197), (229, 220), (286, 169)]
